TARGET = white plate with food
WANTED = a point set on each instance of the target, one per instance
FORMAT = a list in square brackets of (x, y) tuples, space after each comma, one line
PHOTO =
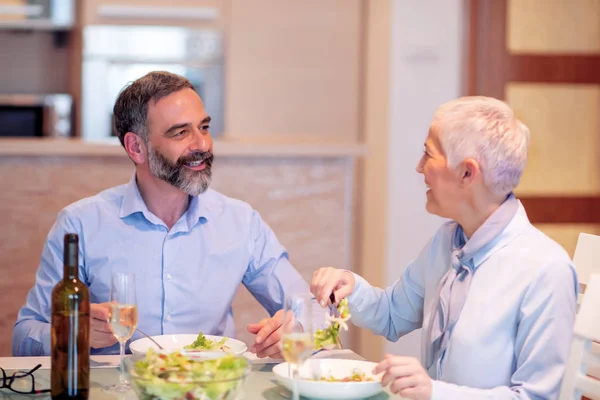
[(189, 343), (332, 379)]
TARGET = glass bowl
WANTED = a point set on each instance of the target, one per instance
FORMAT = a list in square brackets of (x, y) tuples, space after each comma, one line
[(175, 375)]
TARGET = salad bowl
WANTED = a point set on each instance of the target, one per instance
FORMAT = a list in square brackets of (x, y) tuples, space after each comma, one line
[(175, 376)]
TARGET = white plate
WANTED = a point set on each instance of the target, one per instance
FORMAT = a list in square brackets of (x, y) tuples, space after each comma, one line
[(177, 342), (331, 390)]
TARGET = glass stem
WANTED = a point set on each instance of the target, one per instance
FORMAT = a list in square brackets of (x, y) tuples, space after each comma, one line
[(122, 378), (295, 394)]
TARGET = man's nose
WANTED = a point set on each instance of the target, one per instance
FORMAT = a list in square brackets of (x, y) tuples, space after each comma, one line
[(201, 142)]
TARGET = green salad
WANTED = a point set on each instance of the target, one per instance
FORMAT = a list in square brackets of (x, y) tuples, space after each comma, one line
[(202, 343), (328, 338), (174, 376)]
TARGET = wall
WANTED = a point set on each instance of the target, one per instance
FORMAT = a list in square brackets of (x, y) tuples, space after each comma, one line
[(426, 70), (371, 193)]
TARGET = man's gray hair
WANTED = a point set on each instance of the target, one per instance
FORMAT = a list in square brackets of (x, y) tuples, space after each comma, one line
[(131, 108), (487, 130)]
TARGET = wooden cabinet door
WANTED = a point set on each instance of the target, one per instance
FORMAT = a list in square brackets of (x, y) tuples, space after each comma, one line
[(192, 13), (293, 69), (543, 58)]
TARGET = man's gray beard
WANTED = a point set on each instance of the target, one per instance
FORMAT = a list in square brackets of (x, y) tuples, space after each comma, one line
[(176, 174)]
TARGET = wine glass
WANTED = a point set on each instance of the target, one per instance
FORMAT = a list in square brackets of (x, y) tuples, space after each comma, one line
[(122, 318), (297, 338)]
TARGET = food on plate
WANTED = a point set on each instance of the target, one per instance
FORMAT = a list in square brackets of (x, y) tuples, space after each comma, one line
[(175, 376), (357, 376), (202, 343), (328, 338)]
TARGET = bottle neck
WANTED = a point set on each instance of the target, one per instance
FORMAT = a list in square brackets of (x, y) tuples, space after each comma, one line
[(71, 261), (71, 272)]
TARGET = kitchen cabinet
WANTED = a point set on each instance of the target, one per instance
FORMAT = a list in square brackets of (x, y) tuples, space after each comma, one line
[(193, 13), (305, 198), (293, 69), (33, 15)]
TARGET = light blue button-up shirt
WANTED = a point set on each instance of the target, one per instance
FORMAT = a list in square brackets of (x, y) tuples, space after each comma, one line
[(186, 277), (512, 338)]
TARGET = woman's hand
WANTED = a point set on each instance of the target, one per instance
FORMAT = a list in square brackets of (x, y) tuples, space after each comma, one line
[(331, 280), (406, 376)]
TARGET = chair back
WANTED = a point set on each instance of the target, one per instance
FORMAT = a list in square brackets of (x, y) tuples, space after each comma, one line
[(583, 356)]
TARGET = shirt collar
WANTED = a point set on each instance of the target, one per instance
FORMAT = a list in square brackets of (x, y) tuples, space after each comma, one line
[(132, 200), (512, 231), (199, 206), (514, 227)]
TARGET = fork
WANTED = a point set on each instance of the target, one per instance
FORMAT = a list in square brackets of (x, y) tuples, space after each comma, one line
[(336, 314), (334, 311), (332, 306), (149, 337)]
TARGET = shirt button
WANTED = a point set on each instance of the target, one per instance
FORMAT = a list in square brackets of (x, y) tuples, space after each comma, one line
[(169, 317), (168, 277)]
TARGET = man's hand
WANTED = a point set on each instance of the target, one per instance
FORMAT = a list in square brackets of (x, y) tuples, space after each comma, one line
[(406, 377), (268, 335), (100, 333)]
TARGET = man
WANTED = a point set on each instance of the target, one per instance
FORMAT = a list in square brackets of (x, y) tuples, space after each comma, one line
[(190, 247), (495, 296)]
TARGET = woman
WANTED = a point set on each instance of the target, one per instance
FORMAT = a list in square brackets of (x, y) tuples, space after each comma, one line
[(495, 297)]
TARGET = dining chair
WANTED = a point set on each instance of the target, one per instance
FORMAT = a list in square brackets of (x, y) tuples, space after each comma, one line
[(586, 258), (582, 356)]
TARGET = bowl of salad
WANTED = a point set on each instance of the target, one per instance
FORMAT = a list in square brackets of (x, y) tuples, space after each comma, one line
[(174, 375), (332, 379), (189, 343)]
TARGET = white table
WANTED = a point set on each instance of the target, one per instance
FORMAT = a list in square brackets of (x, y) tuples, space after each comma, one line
[(260, 384)]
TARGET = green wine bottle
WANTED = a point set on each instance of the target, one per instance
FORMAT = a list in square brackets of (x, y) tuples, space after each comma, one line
[(70, 360)]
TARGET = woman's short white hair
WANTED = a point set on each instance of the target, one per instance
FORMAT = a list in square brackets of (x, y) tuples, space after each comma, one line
[(484, 129)]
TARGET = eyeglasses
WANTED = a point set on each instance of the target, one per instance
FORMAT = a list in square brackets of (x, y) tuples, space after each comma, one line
[(27, 379)]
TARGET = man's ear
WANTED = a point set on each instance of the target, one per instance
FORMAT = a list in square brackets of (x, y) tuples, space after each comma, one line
[(135, 147)]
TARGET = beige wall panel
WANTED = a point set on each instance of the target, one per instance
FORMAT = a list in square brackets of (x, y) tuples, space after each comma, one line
[(293, 69), (373, 172), (553, 26), (564, 155), (566, 234), (305, 201)]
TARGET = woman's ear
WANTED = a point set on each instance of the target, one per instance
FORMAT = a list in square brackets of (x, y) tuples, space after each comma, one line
[(470, 171), (135, 147)]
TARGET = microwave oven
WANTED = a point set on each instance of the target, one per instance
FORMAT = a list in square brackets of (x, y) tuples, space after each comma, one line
[(26, 115)]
